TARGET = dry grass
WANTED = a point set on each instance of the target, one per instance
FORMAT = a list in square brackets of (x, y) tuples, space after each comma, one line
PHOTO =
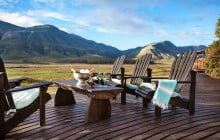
[(36, 73)]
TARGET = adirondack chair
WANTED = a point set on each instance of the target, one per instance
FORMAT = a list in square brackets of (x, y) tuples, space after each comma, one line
[(117, 66), (115, 69), (19, 102), (140, 69), (180, 70)]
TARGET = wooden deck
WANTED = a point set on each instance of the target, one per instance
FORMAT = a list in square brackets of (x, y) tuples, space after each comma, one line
[(130, 121)]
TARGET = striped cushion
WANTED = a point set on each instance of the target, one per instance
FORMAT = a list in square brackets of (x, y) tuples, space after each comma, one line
[(152, 87)]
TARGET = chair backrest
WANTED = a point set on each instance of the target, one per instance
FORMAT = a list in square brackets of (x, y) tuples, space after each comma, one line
[(117, 64), (182, 66), (4, 85), (140, 69)]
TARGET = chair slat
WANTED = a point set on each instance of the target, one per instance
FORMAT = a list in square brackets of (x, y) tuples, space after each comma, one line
[(189, 66), (187, 61), (183, 64), (172, 68), (176, 66), (141, 68), (117, 64)]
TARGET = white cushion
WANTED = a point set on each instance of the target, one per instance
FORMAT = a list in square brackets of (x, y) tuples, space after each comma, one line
[(149, 85), (131, 86), (24, 98), (117, 81), (94, 78)]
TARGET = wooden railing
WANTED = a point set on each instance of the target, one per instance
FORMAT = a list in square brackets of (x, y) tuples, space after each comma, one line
[(199, 65)]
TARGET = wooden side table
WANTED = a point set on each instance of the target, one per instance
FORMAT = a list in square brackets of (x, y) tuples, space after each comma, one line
[(99, 106)]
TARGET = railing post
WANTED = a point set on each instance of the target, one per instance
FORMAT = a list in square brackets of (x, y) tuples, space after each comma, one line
[(192, 92)]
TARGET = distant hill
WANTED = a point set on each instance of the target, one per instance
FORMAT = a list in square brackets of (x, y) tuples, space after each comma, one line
[(46, 43), (5, 27), (161, 50)]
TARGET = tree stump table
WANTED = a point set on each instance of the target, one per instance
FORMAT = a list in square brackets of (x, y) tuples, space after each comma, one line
[(99, 106)]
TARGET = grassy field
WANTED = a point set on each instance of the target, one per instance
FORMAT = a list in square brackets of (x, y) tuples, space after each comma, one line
[(36, 73)]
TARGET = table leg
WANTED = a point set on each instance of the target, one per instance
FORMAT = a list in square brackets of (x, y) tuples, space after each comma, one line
[(98, 109), (64, 97)]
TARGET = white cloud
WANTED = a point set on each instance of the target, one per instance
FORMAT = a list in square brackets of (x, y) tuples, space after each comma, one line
[(192, 32), (18, 19), (108, 16), (45, 1), (39, 14), (7, 2), (110, 20), (121, 3)]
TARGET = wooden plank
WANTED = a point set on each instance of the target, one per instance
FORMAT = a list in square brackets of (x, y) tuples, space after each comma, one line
[(213, 136), (69, 127), (130, 121), (157, 127)]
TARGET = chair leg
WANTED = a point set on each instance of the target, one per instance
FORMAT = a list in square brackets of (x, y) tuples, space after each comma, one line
[(123, 97), (191, 109), (42, 107), (145, 102), (173, 107), (42, 113), (2, 137), (157, 111)]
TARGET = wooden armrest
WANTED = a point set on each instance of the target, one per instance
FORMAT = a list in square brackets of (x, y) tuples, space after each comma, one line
[(130, 77), (155, 77), (16, 80), (179, 82), (45, 84), (160, 77), (119, 74), (185, 82)]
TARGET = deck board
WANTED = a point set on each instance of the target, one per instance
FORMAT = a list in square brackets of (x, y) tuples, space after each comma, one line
[(129, 121)]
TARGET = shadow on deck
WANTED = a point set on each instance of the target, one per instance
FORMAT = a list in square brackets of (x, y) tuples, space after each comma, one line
[(130, 121)]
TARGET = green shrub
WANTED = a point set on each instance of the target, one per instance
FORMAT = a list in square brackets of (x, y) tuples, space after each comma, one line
[(213, 56)]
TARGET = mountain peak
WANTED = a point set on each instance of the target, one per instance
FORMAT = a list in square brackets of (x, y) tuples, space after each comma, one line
[(165, 49), (43, 27), (165, 43)]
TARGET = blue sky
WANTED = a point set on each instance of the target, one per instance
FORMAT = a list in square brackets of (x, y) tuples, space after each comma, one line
[(121, 23)]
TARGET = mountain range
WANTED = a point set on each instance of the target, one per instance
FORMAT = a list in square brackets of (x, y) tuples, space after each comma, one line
[(47, 42)]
